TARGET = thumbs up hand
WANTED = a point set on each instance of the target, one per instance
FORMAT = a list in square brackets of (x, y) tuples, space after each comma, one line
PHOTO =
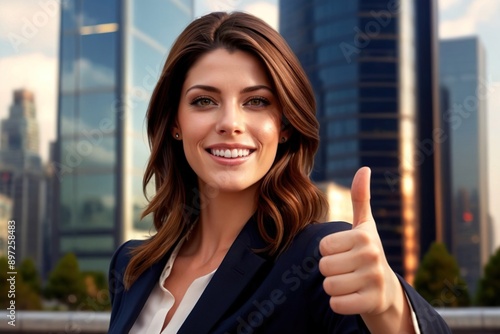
[(357, 275)]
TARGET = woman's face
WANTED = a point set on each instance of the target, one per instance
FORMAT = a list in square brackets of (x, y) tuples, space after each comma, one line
[(228, 120)]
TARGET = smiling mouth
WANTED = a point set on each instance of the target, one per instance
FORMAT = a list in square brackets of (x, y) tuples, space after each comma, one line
[(231, 153)]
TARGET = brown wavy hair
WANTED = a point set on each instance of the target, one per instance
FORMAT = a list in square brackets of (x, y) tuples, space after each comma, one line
[(287, 199)]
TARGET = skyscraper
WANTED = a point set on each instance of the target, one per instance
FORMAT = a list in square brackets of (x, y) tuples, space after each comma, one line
[(19, 137), (111, 54), (463, 78), (21, 174), (5, 217), (430, 148), (360, 58)]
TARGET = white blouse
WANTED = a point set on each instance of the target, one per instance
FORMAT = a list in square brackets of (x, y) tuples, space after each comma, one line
[(160, 301)]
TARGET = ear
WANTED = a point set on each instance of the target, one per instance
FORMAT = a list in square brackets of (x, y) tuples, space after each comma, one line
[(285, 134), (286, 129), (176, 133)]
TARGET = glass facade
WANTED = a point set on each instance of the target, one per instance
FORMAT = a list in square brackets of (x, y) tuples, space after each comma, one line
[(359, 57), (111, 55), (463, 80), (153, 28)]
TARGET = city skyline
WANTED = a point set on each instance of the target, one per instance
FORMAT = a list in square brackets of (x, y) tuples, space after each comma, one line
[(29, 37), (22, 177), (366, 99)]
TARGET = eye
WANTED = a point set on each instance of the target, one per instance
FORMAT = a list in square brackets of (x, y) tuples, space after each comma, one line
[(202, 101), (258, 101)]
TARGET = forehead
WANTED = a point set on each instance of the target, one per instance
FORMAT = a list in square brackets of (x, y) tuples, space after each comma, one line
[(224, 67)]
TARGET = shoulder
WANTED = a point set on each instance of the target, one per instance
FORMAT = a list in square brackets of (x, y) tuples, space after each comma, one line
[(119, 263), (123, 254)]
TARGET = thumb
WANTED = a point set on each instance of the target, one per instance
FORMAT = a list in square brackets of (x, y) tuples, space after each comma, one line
[(360, 196)]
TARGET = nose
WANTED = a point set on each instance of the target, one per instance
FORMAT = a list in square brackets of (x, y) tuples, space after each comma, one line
[(231, 120)]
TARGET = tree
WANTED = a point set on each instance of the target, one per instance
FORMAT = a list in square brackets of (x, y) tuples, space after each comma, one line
[(488, 293), (28, 286), (65, 282), (4, 287), (97, 293), (16, 289), (29, 275), (438, 279), (26, 297)]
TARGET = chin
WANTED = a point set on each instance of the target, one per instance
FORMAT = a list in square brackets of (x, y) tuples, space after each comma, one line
[(233, 186)]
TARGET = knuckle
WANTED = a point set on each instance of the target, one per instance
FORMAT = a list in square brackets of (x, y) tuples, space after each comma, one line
[(375, 276), (328, 285), (335, 305), (323, 266), (324, 246), (363, 237), (370, 255)]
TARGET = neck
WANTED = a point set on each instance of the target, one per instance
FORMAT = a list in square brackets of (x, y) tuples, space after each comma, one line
[(222, 217)]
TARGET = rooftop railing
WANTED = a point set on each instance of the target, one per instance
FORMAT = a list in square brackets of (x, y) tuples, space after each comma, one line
[(460, 320)]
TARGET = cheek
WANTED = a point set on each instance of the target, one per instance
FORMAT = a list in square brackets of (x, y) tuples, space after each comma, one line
[(268, 131), (193, 126)]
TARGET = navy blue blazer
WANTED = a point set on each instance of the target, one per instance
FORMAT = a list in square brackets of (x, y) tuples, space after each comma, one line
[(252, 292)]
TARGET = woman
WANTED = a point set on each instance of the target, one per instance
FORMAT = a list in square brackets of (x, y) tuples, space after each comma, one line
[(233, 133)]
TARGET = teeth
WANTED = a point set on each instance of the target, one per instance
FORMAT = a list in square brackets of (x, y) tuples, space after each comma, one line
[(234, 153)]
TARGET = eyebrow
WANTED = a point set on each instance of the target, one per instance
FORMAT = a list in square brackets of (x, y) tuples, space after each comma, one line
[(216, 90)]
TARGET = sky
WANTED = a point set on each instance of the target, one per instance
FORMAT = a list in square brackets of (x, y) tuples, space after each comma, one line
[(29, 51)]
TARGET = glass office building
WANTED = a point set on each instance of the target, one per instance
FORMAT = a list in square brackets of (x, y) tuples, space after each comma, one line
[(360, 58), (464, 95), (111, 55)]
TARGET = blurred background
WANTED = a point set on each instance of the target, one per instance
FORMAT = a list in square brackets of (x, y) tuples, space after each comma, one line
[(409, 88)]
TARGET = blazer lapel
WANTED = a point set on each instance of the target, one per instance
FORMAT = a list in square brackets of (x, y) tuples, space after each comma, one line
[(233, 275), (134, 299)]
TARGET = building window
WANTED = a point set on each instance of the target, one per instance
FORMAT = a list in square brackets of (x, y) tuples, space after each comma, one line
[(97, 62), (99, 12), (97, 114)]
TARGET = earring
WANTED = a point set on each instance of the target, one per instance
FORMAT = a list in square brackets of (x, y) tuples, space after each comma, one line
[(177, 136), (283, 139)]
